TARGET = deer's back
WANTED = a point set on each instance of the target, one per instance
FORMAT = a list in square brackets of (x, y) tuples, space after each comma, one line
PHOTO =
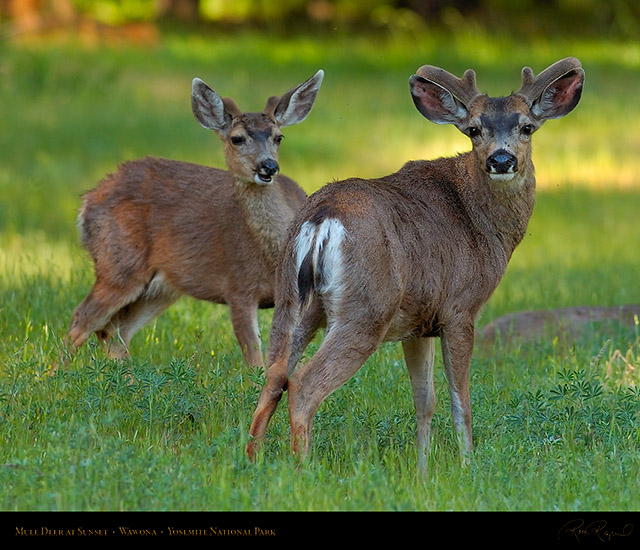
[(412, 238), (184, 220)]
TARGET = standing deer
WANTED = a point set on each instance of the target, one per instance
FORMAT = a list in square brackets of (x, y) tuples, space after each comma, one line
[(411, 256), (157, 229)]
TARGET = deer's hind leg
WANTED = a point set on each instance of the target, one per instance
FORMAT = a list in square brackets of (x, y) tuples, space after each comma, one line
[(338, 358), (419, 356), (290, 335), (111, 308), (157, 296), (96, 311)]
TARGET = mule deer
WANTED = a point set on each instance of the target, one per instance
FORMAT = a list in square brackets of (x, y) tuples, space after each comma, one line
[(158, 229), (411, 256)]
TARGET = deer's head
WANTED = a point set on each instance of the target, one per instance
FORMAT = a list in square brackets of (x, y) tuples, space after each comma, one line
[(500, 128), (252, 140)]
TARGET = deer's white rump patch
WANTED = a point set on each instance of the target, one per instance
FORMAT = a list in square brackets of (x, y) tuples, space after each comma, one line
[(319, 247)]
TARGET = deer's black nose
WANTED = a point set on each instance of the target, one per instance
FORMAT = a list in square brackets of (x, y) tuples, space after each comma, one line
[(268, 167), (502, 162)]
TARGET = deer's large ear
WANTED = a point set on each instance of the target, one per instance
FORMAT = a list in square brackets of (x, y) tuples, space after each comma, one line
[(560, 97), (294, 106), (436, 103), (208, 107)]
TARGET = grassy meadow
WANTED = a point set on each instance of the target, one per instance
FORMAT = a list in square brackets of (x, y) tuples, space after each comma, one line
[(557, 428)]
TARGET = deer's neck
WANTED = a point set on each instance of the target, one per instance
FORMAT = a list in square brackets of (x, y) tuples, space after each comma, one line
[(500, 209), (267, 216)]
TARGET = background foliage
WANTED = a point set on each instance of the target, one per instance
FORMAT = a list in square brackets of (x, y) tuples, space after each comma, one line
[(519, 17)]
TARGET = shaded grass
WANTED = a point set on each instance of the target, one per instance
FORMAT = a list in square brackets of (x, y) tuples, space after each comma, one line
[(555, 427)]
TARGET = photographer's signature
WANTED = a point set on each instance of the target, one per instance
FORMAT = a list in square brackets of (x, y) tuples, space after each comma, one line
[(580, 530)]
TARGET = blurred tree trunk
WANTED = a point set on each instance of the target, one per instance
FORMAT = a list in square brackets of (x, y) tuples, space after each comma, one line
[(25, 15), (432, 8), (183, 10), (33, 15), (424, 8)]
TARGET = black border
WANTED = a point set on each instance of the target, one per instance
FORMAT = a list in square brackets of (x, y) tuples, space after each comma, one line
[(500, 528)]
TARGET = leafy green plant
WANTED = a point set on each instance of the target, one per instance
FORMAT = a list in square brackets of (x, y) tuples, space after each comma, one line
[(577, 408)]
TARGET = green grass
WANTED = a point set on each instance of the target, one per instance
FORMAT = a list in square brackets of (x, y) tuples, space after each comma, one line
[(556, 428)]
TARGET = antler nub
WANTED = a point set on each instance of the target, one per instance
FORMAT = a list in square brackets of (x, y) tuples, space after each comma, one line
[(533, 86), (272, 103), (231, 107), (464, 88)]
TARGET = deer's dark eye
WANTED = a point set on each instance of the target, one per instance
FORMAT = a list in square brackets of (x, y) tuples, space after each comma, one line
[(473, 131), (278, 138), (237, 140), (527, 129)]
